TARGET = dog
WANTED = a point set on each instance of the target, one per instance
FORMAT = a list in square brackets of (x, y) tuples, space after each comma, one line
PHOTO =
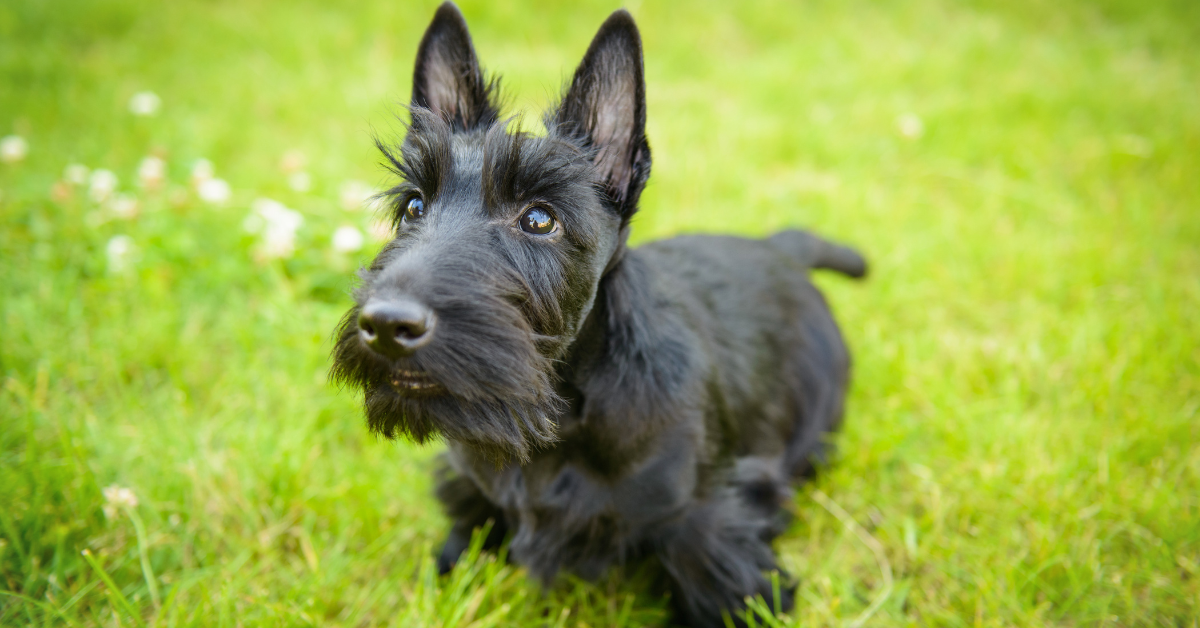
[(600, 403)]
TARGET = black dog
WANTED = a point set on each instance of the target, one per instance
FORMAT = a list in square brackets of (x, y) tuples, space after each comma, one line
[(600, 403)]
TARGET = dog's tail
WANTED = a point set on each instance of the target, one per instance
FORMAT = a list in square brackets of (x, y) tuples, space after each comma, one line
[(815, 252)]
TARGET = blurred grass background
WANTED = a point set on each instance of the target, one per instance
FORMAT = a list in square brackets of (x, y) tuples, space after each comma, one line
[(1022, 440)]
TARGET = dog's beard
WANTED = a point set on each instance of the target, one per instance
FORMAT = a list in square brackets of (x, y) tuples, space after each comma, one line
[(487, 384)]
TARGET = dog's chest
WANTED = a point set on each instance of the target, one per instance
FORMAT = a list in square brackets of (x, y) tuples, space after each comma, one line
[(572, 488)]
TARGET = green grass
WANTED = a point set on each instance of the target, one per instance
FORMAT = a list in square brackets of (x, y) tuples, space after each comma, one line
[(1022, 444)]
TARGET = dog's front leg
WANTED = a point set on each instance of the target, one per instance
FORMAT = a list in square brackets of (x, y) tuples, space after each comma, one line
[(716, 556), (469, 509)]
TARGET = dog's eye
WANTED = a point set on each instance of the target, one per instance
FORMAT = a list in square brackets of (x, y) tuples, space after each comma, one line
[(538, 221), (414, 209)]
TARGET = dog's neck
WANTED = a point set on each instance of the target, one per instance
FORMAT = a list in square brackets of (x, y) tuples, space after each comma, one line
[(618, 254), (624, 374), (614, 313), (605, 315)]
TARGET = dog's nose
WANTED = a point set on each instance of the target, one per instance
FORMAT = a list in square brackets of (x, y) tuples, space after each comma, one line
[(395, 327)]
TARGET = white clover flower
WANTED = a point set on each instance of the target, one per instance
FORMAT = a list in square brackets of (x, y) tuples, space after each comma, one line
[(278, 226), (292, 161), (214, 191), (13, 148), (116, 496), (152, 171), (347, 239), (120, 252), (144, 104), (202, 170), (381, 230), (262, 209), (356, 195), (910, 126), (279, 241), (253, 223), (300, 181), (75, 174), (124, 206), (102, 184)]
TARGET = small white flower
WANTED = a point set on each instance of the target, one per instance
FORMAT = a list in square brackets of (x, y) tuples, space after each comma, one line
[(300, 181), (202, 171), (13, 148), (381, 230), (116, 496), (102, 184), (152, 171), (356, 195), (910, 126), (347, 239), (174, 519), (277, 224), (75, 174), (278, 242), (253, 223), (267, 207), (144, 104), (292, 161), (124, 206), (120, 252), (214, 191)]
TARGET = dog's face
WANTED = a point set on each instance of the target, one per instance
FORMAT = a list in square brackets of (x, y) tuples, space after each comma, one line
[(501, 240)]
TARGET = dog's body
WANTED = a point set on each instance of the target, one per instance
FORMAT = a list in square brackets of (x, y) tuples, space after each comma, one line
[(684, 431), (600, 403)]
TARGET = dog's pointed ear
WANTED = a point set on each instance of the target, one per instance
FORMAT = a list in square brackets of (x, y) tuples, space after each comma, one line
[(606, 107), (447, 78)]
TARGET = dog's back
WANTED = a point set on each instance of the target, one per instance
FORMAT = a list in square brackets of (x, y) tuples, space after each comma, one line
[(778, 365)]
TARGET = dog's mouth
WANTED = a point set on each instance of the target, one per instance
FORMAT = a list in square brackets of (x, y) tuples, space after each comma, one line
[(408, 382)]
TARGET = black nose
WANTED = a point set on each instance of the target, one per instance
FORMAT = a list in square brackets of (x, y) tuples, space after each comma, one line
[(395, 327)]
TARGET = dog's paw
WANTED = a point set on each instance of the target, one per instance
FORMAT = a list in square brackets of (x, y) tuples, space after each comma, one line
[(454, 546)]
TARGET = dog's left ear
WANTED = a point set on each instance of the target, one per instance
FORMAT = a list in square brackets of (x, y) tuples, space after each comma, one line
[(606, 107), (447, 78)]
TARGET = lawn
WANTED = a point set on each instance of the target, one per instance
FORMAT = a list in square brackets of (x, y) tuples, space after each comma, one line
[(1022, 444)]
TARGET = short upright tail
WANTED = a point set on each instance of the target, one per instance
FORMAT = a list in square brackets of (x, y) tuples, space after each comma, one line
[(814, 252)]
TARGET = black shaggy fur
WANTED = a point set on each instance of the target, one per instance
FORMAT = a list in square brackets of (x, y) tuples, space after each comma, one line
[(601, 404)]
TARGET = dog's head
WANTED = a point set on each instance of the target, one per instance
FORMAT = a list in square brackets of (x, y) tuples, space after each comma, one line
[(501, 239)]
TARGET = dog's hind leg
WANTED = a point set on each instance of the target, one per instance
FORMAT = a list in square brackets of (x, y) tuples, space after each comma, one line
[(469, 509), (811, 447), (820, 372), (716, 555)]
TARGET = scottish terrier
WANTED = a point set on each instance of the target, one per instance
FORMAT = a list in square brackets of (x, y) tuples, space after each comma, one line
[(600, 403)]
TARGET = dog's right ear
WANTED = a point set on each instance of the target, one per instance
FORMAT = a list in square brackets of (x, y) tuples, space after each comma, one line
[(447, 79)]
